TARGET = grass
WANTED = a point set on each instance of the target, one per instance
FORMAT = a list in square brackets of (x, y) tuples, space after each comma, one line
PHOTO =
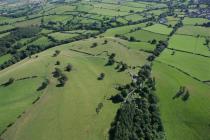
[(62, 36), (193, 21), (196, 68), (194, 31), (159, 28), (182, 120), (189, 43), (41, 41), (4, 58), (121, 30), (6, 27), (133, 17), (4, 34), (145, 36), (122, 50), (71, 110), (36, 21), (57, 18), (16, 98)]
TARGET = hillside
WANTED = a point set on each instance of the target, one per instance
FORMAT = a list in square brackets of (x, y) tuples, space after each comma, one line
[(114, 70)]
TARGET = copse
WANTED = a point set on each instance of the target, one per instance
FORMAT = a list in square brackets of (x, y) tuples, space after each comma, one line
[(138, 117), (57, 73), (43, 85), (111, 59), (62, 80)]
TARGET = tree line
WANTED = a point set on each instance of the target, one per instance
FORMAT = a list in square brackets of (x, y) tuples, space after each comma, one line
[(139, 116)]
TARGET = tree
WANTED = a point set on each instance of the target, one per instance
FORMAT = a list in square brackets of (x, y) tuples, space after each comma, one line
[(57, 73), (43, 85), (62, 80), (186, 96), (57, 52), (94, 45), (57, 63), (101, 76), (69, 67), (154, 41), (111, 60), (132, 38), (105, 41)]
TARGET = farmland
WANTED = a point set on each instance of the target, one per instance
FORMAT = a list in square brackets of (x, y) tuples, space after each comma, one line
[(108, 69)]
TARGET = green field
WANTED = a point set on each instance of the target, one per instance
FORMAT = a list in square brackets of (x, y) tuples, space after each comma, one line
[(159, 28), (194, 31), (189, 44), (4, 58), (62, 36), (120, 66), (193, 21), (144, 35), (77, 99), (182, 120), (184, 61)]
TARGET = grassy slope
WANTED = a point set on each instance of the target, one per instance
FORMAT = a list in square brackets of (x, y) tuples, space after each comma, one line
[(70, 111), (182, 120), (132, 57)]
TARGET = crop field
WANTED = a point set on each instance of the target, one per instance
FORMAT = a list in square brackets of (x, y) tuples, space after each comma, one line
[(104, 70)]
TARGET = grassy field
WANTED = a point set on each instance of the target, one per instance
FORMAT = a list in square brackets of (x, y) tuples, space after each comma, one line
[(62, 36), (144, 35), (132, 57), (121, 30), (69, 112), (183, 61), (159, 28), (4, 58), (193, 21), (75, 103), (182, 120), (194, 31), (41, 41), (189, 44), (6, 27)]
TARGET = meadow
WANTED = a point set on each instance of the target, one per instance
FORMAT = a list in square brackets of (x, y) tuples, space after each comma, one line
[(120, 41), (75, 103), (182, 120)]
